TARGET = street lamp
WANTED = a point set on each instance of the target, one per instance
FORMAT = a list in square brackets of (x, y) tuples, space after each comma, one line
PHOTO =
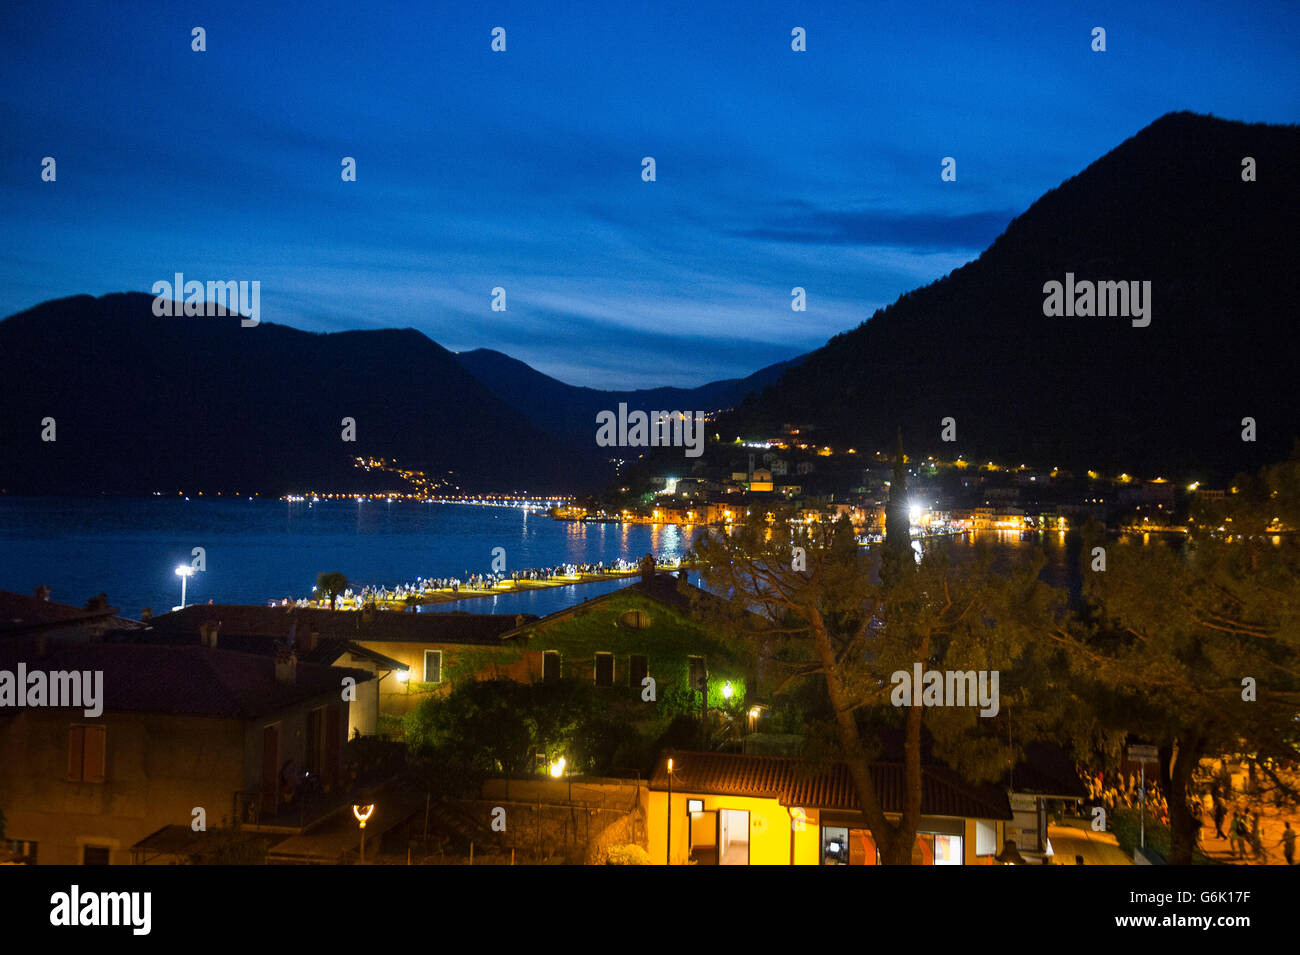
[(184, 572), (363, 813), (668, 851), (727, 691)]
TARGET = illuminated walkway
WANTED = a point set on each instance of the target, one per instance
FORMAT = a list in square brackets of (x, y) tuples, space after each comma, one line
[(1076, 838)]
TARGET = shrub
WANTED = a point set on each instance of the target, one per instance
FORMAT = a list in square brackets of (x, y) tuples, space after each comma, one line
[(627, 855)]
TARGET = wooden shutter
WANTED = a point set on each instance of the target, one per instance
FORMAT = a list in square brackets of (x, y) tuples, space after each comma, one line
[(93, 770), (76, 752)]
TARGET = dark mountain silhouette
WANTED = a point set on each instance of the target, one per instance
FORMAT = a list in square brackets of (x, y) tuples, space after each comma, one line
[(144, 404), (1167, 206), (570, 411)]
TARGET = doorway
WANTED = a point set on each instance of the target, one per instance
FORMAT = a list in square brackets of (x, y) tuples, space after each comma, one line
[(733, 837)]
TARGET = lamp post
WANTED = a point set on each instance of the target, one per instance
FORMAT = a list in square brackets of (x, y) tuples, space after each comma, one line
[(363, 813), (668, 851), (184, 572)]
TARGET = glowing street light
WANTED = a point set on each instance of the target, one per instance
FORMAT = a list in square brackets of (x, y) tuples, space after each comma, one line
[(184, 572), (557, 767), (727, 691), (363, 813), (668, 850)]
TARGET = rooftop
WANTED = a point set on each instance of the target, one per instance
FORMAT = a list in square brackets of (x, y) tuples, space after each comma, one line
[(792, 782), (20, 613), (381, 625), (184, 681)]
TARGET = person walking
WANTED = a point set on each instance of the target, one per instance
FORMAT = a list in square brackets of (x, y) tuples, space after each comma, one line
[(1220, 813), (1237, 831), (1287, 843)]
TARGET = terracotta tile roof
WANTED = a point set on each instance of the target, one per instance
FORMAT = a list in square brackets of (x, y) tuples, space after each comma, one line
[(663, 588), (20, 613), (327, 649), (784, 778), (191, 681), (386, 625)]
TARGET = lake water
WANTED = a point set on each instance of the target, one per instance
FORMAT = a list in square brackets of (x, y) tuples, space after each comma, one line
[(259, 550)]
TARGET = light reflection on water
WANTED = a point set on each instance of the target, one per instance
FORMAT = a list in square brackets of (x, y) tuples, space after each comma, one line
[(262, 549)]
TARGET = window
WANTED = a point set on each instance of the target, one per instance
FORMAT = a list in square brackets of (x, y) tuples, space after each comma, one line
[(551, 665), (634, 620), (94, 855), (432, 666), (86, 754), (947, 850), (844, 846), (986, 838), (604, 669), (24, 851), (699, 675), (639, 670)]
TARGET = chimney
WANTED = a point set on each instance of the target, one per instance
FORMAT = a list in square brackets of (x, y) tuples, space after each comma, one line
[(286, 665), (519, 620), (684, 575), (208, 631), (647, 564), (146, 615), (42, 592)]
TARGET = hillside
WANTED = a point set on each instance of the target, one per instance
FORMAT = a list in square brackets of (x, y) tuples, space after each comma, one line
[(1167, 206), (145, 404)]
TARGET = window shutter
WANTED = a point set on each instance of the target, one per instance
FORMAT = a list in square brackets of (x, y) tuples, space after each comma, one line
[(76, 749), (93, 771), (333, 742)]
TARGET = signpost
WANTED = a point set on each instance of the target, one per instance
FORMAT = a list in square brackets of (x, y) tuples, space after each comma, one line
[(1143, 755)]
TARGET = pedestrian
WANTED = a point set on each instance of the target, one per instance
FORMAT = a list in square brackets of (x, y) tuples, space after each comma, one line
[(1220, 813), (1288, 844), (1237, 829)]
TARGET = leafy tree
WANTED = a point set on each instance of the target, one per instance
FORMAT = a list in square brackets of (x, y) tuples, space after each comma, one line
[(837, 618), (1198, 645), (498, 726), (332, 584)]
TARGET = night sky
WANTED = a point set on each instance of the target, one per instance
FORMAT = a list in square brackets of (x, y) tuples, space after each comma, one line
[(523, 169)]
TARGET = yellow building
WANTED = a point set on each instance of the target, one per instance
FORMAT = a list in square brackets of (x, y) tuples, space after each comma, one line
[(735, 809)]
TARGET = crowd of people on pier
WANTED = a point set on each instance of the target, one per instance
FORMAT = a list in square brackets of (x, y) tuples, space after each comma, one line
[(423, 588)]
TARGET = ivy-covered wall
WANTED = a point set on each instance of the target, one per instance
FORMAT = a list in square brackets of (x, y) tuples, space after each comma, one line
[(668, 642)]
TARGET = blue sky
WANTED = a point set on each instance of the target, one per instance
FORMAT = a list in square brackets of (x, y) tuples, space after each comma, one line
[(522, 169)]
